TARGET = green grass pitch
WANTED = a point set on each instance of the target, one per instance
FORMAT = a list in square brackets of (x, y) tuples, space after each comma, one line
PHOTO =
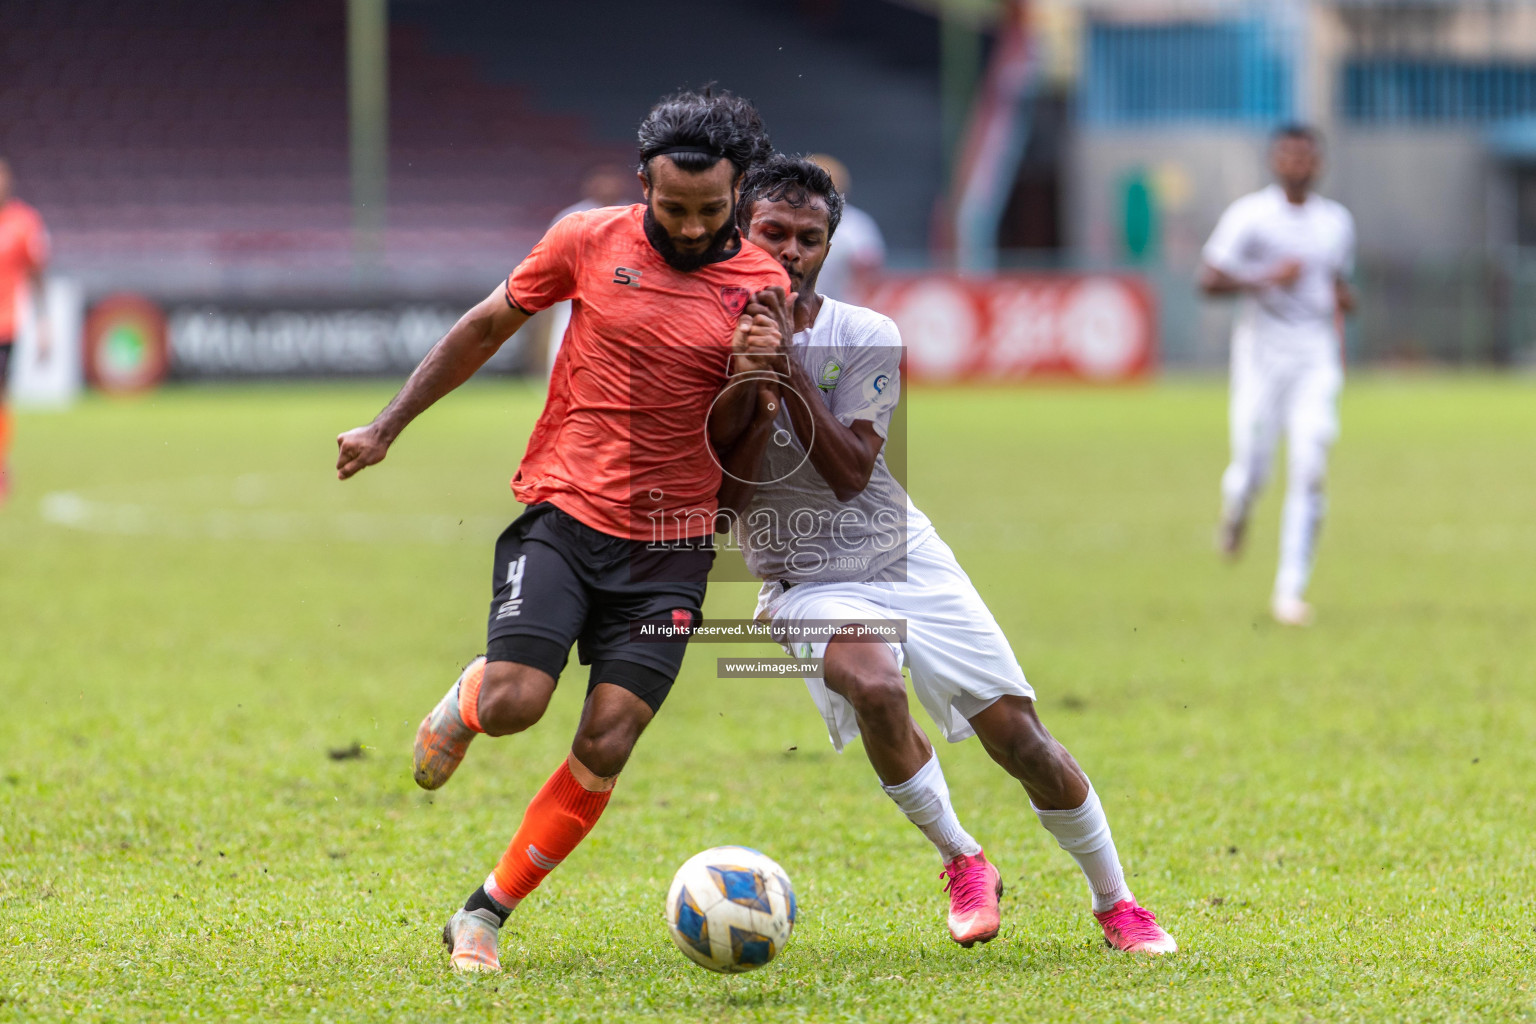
[(1336, 824)]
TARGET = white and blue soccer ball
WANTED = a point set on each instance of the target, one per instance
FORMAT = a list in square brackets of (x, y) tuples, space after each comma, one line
[(731, 909)]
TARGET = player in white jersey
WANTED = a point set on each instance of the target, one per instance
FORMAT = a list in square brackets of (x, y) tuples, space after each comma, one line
[(1288, 252), (824, 522), (860, 253)]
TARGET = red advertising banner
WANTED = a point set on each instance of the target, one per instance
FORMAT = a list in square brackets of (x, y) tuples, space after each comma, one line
[(1022, 326), (125, 348)]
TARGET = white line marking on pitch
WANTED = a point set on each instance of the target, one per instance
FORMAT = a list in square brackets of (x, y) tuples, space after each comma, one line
[(73, 511)]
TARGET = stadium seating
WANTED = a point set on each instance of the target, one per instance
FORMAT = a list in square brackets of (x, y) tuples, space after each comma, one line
[(196, 144)]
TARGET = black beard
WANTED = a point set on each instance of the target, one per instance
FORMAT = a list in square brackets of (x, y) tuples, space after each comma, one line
[(722, 245)]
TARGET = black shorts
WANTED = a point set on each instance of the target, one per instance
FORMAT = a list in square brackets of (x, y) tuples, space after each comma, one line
[(557, 581), (6, 347)]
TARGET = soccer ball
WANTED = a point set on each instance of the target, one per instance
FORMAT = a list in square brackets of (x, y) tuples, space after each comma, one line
[(730, 909)]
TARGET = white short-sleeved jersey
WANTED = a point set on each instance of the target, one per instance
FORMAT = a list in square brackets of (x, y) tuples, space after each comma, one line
[(850, 567), (795, 527), (1263, 230)]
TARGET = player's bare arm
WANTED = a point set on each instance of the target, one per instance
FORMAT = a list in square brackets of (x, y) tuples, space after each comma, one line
[(797, 235), (753, 359), (741, 463), (1219, 282), (843, 455), (755, 348), (1343, 295), (451, 362)]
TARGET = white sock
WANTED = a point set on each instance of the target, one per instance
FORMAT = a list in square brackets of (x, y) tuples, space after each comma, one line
[(1084, 833), (1301, 519), (924, 799)]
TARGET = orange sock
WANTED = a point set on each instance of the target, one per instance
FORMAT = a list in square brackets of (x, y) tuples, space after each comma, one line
[(5, 431), (560, 816), (469, 694)]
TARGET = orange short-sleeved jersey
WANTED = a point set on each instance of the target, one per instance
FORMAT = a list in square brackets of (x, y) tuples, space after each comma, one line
[(23, 252), (621, 444)]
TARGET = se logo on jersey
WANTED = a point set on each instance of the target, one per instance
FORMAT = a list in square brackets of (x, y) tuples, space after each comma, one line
[(624, 275)]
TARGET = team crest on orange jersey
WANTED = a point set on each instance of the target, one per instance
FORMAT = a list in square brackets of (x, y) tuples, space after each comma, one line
[(735, 297)]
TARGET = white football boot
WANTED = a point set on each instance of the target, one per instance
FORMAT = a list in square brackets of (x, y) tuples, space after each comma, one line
[(1291, 611), (470, 936), (443, 738)]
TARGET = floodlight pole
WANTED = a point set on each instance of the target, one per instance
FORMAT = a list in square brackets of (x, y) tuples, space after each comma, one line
[(988, 153), (959, 70), (368, 127)]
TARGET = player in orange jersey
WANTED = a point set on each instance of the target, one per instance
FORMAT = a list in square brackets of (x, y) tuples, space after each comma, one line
[(619, 476), (23, 255)]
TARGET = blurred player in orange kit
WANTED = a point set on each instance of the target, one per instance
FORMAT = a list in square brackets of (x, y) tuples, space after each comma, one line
[(23, 254), (619, 475)]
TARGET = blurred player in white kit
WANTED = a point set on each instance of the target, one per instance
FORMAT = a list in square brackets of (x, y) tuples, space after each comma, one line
[(1288, 252), (850, 268), (606, 185)]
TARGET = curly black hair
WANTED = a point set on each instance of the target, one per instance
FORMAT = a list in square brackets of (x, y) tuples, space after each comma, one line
[(793, 180), (699, 129)]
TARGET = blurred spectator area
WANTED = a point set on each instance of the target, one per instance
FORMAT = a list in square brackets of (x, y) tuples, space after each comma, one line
[(191, 146), (207, 143), (182, 146)]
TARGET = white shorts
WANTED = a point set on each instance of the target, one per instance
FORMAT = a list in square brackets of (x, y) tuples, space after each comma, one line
[(959, 660), (1288, 385)]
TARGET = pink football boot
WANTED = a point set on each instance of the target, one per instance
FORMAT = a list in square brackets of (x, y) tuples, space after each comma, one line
[(974, 887), (1133, 929)]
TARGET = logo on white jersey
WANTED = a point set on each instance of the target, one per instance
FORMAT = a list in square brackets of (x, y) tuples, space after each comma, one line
[(827, 379), (876, 388)]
